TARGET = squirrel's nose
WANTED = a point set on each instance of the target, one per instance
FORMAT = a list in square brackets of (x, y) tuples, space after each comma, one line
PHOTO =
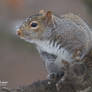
[(19, 33)]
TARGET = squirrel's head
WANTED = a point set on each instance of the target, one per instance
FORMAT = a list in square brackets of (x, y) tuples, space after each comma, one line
[(37, 27)]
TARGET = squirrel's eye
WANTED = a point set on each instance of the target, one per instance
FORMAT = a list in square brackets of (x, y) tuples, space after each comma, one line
[(34, 24)]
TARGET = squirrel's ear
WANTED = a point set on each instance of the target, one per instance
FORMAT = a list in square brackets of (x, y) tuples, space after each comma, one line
[(48, 16)]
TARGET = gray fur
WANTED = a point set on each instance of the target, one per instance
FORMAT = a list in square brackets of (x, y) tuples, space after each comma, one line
[(64, 35)]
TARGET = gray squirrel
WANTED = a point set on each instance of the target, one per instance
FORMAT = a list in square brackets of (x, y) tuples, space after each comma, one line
[(58, 39)]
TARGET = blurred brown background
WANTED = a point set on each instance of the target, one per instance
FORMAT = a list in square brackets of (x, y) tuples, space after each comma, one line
[(20, 63)]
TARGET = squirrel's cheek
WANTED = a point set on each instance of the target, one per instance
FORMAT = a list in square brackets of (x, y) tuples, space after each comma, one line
[(37, 30)]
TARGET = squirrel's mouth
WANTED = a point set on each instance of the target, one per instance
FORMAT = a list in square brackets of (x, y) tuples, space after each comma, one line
[(22, 36), (25, 37)]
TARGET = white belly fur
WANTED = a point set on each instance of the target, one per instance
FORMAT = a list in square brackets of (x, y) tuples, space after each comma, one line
[(61, 53)]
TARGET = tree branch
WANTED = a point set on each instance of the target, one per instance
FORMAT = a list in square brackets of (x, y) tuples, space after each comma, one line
[(42, 86)]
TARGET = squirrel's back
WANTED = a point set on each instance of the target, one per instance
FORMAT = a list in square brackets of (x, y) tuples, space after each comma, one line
[(80, 23), (76, 34)]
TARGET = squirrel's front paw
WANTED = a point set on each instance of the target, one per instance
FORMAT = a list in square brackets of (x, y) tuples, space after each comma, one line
[(59, 84), (55, 76)]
